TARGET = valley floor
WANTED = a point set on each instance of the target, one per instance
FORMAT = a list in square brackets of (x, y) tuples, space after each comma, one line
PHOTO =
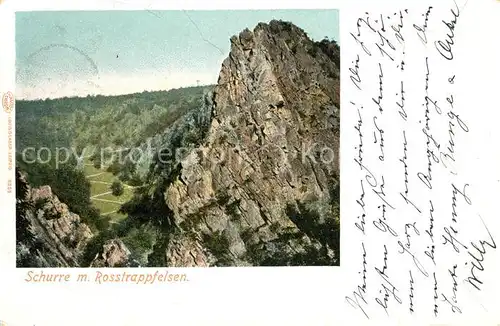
[(100, 192)]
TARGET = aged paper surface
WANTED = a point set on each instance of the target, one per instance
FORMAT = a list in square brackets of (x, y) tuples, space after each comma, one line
[(181, 163)]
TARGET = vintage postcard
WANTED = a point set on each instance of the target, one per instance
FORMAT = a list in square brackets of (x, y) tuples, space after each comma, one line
[(166, 161)]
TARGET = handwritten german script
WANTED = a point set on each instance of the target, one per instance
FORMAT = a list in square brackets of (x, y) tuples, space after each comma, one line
[(416, 239)]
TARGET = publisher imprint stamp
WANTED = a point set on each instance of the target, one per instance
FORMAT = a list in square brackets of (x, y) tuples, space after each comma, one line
[(8, 102)]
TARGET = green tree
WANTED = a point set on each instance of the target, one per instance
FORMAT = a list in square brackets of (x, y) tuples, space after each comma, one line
[(117, 188)]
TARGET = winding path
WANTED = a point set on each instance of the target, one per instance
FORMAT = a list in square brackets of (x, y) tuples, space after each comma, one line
[(109, 201), (109, 183), (98, 195)]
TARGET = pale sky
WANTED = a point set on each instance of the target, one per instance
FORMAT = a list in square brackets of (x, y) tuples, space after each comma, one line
[(117, 52)]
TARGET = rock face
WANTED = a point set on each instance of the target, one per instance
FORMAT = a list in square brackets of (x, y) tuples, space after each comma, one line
[(114, 254), (59, 235), (173, 142), (263, 188), (187, 252)]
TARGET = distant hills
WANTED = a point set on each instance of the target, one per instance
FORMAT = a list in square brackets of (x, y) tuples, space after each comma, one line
[(101, 121)]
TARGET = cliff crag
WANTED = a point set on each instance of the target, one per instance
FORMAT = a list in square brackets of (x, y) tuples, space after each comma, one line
[(262, 189)]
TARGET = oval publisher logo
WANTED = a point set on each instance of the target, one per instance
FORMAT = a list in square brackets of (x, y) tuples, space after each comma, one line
[(8, 104)]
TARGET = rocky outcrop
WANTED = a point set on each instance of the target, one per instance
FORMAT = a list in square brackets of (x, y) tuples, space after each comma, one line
[(187, 252), (167, 147), (58, 234), (265, 181), (114, 254)]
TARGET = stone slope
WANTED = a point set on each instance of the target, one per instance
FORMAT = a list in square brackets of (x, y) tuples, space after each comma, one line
[(59, 234)]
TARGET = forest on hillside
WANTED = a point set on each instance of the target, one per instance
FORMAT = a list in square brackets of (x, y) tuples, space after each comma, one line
[(87, 126), (101, 121)]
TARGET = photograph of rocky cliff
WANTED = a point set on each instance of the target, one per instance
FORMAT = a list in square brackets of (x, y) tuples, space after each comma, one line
[(232, 162)]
